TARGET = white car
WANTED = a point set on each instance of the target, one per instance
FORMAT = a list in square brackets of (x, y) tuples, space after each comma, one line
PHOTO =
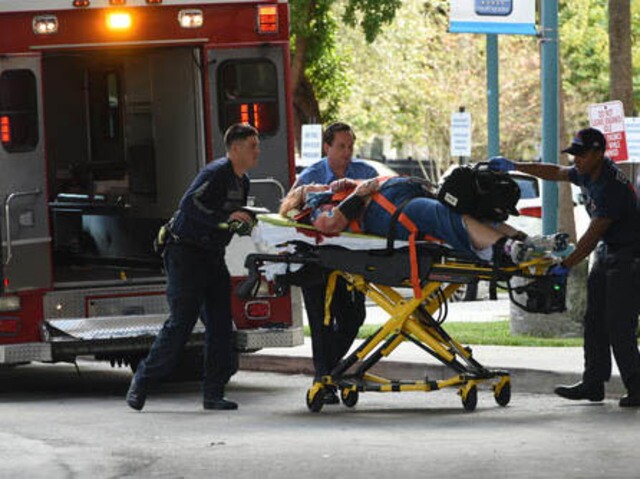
[(530, 206)]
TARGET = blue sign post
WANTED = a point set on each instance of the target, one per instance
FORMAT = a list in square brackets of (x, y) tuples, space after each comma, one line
[(493, 17)]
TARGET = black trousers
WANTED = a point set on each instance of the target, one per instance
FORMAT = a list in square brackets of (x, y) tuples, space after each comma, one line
[(611, 320), (330, 343), (199, 286)]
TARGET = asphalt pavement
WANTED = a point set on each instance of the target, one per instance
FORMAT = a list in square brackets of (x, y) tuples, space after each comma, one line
[(56, 424)]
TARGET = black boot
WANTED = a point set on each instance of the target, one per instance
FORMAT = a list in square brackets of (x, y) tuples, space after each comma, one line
[(592, 391), (631, 399), (216, 401), (136, 395)]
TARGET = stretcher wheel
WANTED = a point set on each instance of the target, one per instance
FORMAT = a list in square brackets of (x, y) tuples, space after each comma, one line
[(315, 404), (503, 396), (470, 401), (349, 397)]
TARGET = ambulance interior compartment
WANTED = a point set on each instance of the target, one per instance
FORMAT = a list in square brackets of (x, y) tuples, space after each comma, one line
[(124, 136)]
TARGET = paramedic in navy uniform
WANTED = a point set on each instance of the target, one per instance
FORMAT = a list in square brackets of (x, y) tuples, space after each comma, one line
[(613, 301), (330, 344), (198, 281)]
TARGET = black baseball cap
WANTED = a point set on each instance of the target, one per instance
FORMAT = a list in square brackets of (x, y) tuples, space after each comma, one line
[(586, 140)]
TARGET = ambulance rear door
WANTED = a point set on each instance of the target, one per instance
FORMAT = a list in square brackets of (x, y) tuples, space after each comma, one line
[(26, 257)]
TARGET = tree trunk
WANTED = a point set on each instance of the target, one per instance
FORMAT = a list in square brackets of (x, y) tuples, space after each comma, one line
[(621, 76), (305, 107), (305, 104), (566, 218)]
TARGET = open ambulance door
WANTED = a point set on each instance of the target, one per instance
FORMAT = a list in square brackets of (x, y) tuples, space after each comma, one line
[(248, 85), (26, 257)]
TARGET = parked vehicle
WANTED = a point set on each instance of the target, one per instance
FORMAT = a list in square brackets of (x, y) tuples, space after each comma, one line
[(107, 111)]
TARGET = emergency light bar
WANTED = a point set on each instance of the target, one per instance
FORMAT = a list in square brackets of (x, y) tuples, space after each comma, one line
[(117, 2), (267, 19), (192, 18), (81, 3), (45, 24)]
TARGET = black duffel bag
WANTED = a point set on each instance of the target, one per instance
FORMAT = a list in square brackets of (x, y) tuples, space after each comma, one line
[(480, 192)]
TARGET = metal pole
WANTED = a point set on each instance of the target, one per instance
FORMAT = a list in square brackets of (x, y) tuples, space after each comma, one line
[(493, 96), (550, 95)]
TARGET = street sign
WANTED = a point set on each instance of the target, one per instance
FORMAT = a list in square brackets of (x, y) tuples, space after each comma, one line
[(461, 134), (311, 144), (609, 119), (493, 16), (632, 131)]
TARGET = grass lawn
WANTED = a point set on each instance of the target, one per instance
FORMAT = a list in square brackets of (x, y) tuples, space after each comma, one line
[(491, 333)]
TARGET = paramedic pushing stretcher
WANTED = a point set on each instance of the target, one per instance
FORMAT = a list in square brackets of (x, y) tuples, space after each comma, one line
[(330, 344), (198, 281), (613, 304)]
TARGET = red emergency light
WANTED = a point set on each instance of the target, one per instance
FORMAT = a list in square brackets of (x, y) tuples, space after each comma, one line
[(267, 19), (154, 2), (81, 3), (5, 130), (117, 2)]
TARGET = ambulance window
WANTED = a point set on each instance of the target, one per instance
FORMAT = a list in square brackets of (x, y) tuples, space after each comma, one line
[(248, 93), (18, 111)]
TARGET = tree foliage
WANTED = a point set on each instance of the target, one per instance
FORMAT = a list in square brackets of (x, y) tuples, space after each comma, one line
[(406, 85)]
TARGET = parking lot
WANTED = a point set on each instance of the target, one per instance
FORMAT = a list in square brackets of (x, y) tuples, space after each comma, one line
[(58, 424)]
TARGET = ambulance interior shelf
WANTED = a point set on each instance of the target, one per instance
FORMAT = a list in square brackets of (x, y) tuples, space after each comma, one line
[(99, 235)]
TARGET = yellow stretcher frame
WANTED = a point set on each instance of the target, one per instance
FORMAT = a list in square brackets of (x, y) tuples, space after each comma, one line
[(411, 319)]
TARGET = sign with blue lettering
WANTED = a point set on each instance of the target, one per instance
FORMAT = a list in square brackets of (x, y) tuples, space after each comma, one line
[(493, 16), (632, 128), (311, 147)]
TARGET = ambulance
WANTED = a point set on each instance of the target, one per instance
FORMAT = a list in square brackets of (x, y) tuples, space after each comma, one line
[(108, 109)]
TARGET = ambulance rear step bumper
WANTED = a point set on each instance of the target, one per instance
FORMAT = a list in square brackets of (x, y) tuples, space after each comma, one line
[(65, 339)]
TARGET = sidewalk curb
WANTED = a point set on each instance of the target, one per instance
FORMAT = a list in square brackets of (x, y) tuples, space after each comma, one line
[(535, 381)]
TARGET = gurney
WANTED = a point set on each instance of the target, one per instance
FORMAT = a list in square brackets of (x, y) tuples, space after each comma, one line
[(378, 267)]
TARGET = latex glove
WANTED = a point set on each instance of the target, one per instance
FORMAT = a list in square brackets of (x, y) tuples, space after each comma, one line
[(241, 228), (500, 163), (560, 271)]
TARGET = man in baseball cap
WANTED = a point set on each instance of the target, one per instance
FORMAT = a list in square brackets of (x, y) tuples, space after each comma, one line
[(613, 303)]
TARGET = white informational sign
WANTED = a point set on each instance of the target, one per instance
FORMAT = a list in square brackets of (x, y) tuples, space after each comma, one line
[(461, 134), (632, 131), (515, 17), (311, 147), (609, 119)]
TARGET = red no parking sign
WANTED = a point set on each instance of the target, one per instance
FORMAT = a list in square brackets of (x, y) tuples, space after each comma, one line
[(609, 119)]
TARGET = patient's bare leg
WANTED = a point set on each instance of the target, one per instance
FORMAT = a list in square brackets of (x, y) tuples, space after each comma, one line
[(481, 235)]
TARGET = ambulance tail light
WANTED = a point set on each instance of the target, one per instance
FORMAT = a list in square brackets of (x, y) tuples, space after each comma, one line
[(191, 18), (5, 130), (257, 310), (45, 24), (532, 211), (9, 303), (267, 19)]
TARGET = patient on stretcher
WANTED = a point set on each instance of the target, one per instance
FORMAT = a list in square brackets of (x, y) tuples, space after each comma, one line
[(404, 208)]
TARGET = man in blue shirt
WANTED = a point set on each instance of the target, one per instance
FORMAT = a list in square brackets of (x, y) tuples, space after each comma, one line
[(198, 281), (613, 302), (330, 344)]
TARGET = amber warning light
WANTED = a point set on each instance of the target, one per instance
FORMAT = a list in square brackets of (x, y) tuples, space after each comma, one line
[(118, 21), (267, 19)]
